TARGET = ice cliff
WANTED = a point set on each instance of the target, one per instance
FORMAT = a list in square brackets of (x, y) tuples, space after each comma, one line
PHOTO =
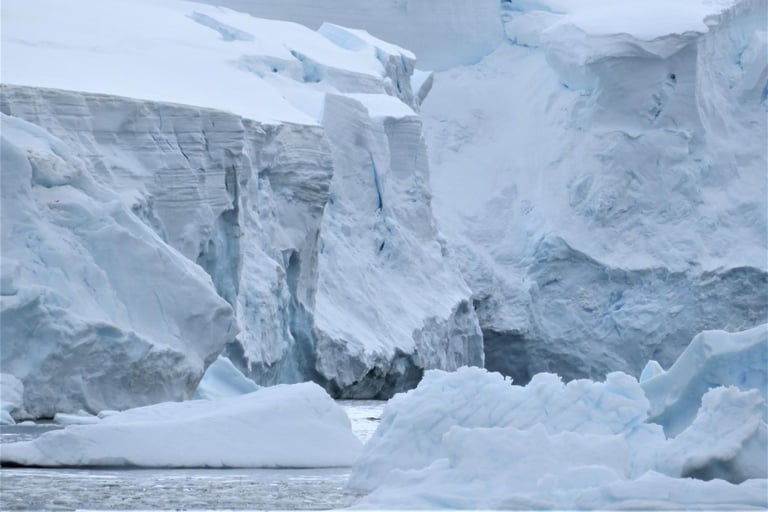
[(599, 171), (247, 186), (612, 169)]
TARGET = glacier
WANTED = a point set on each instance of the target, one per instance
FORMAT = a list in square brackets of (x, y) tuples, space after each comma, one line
[(82, 323), (276, 209), (584, 444), (559, 187), (605, 183), (598, 170)]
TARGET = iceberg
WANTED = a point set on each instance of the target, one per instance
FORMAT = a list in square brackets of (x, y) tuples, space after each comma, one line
[(282, 426), (473, 440)]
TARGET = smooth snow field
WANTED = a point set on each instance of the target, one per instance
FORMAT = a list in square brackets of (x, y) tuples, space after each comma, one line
[(286, 489)]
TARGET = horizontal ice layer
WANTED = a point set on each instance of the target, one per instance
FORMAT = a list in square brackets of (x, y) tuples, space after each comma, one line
[(265, 70), (96, 312), (282, 426), (604, 182), (441, 34), (713, 358), (549, 445)]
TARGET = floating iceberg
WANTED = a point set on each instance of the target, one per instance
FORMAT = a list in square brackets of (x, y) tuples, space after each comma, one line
[(282, 426), (471, 439)]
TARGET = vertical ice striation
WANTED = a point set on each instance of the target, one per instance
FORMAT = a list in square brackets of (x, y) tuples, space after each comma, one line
[(331, 270), (100, 313)]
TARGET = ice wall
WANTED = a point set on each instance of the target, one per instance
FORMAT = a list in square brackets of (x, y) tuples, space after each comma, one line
[(285, 166), (318, 239), (604, 178), (96, 311), (599, 172)]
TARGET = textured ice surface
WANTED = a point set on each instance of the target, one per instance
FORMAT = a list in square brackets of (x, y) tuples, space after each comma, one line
[(413, 425), (713, 358), (605, 181), (282, 426), (319, 236), (599, 173), (100, 313), (470, 439)]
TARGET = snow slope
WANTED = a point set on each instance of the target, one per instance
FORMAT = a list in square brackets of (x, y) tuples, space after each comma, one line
[(282, 426), (471, 440), (181, 52), (297, 182)]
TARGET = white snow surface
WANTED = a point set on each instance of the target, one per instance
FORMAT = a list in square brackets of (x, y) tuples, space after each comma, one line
[(470, 439), (184, 52), (282, 426)]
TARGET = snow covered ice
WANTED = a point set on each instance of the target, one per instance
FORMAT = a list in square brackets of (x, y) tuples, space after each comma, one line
[(598, 169), (293, 426), (75, 306), (200, 203), (300, 251), (471, 439)]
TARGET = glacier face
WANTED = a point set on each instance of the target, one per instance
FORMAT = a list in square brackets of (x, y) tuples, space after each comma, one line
[(315, 239), (300, 202), (605, 182), (598, 171), (83, 323)]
